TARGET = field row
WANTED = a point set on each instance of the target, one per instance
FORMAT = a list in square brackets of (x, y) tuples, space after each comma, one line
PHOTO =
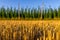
[(30, 22)]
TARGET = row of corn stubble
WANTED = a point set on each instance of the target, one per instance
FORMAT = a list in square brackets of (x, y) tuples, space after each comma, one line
[(34, 32)]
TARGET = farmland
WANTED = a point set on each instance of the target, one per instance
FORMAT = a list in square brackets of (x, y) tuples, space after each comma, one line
[(29, 24), (29, 29)]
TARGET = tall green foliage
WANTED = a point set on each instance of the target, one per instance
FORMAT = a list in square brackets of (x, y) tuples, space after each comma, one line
[(55, 13), (7, 13), (2, 12), (14, 13), (22, 13), (59, 12), (10, 13), (45, 13), (30, 13), (39, 12)]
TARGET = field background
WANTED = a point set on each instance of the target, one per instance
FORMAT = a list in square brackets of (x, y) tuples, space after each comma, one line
[(30, 22)]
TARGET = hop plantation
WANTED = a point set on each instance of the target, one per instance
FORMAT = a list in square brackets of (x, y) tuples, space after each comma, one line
[(28, 13)]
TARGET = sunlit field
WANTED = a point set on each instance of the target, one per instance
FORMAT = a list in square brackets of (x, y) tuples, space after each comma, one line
[(29, 24), (29, 20), (30, 30)]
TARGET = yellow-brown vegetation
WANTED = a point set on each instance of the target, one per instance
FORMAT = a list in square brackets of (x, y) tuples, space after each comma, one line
[(30, 30)]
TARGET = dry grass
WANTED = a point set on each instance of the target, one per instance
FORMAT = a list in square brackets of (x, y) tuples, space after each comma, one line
[(30, 23)]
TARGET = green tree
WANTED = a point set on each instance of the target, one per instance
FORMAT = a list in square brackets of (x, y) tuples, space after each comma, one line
[(7, 13), (51, 15), (29, 13), (15, 13), (55, 13), (35, 13), (22, 13), (25, 13), (48, 13), (32, 13), (10, 13), (2, 12), (45, 13), (59, 12), (39, 12)]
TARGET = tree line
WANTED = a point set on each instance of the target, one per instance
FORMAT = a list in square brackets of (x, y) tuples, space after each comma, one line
[(28, 13)]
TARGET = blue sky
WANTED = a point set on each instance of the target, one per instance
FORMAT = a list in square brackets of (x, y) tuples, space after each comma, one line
[(29, 3)]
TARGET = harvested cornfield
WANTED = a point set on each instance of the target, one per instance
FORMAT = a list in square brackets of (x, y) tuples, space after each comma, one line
[(29, 30)]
